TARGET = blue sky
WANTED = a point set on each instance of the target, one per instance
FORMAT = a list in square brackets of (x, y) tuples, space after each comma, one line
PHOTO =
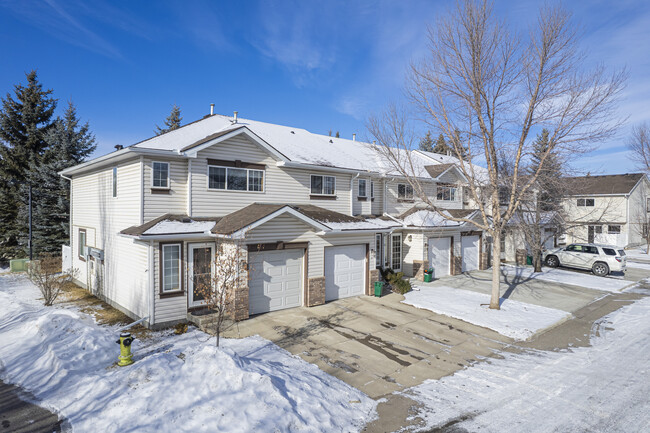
[(315, 65)]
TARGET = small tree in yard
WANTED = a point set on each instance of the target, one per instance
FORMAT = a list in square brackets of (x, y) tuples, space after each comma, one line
[(496, 88), (639, 144), (218, 285), (46, 274)]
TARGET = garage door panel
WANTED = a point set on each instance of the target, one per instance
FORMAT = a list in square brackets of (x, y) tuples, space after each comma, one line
[(277, 281), (344, 271), (470, 251), (440, 256)]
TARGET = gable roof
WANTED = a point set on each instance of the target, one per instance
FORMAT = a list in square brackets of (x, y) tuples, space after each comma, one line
[(606, 184)]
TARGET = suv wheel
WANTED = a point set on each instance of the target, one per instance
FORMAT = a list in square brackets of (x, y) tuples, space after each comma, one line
[(601, 269), (552, 261)]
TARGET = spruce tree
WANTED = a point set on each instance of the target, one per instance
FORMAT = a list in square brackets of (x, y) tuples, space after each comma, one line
[(426, 143), (25, 120), (173, 121), (441, 145), (69, 143), (551, 170)]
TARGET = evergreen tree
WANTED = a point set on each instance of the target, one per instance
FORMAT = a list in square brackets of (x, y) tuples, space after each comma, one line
[(337, 135), (441, 146), (551, 170), (426, 143), (173, 121), (24, 123), (69, 143)]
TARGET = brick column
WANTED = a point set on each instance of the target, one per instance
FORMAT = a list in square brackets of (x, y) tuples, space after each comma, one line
[(456, 265), (483, 262), (315, 291), (374, 276), (520, 257), (241, 307), (418, 269)]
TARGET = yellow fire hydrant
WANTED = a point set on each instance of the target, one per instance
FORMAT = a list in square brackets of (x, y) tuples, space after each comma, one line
[(125, 357)]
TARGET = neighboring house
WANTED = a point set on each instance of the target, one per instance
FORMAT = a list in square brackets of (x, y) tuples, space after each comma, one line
[(317, 214), (610, 209)]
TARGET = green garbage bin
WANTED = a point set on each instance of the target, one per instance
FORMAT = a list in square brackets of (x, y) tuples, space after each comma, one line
[(379, 288), (428, 275), (529, 260)]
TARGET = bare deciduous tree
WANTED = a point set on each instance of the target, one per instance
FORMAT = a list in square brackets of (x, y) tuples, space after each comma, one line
[(46, 274), (496, 88), (639, 144), (218, 285)]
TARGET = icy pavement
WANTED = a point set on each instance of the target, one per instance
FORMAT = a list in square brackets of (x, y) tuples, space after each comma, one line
[(515, 319), (564, 276), (178, 383), (603, 388)]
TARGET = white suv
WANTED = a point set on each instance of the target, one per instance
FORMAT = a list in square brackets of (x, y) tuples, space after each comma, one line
[(600, 259)]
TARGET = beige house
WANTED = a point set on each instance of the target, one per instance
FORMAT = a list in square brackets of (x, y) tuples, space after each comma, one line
[(610, 209), (317, 214)]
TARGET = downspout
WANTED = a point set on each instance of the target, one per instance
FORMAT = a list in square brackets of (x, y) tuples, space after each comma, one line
[(189, 187), (352, 194), (141, 189), (152, 304)]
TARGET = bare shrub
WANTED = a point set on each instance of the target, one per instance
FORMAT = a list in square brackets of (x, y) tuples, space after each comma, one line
[(47, 275)]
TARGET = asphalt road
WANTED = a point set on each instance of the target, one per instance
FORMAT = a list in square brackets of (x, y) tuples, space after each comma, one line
[(17, 415)]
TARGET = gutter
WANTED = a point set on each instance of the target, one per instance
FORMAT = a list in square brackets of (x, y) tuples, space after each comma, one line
[(290, 164), (170, 236), (124, 153)]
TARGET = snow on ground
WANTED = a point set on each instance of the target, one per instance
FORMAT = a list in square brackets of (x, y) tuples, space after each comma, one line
[(565, 276), (637, 265), (4, 270), (637, 253), (178, 383), (603, 388), (516, 319)]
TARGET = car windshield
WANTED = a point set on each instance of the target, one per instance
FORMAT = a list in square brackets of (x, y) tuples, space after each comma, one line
[(609, 251)]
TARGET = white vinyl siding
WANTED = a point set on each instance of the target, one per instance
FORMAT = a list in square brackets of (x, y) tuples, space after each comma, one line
[(281, 185), (174, 199), (125, 278)]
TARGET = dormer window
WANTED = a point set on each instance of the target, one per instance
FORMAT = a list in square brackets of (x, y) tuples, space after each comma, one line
[(446, 193), (362, 188), (160, 175)]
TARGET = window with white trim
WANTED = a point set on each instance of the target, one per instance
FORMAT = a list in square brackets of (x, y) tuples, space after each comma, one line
[(372, 189), (378, 250), (82, 248), (446, 193), (171, 267), (396, 252), (114, 181), (404, 191), (647, 204), (323, 185), (362, 188), (589, 202), (614, 229), (160, 175), (235, 178)]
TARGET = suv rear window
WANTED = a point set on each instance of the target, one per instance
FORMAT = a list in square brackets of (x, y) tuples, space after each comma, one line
[(621, 253), (609, 251)]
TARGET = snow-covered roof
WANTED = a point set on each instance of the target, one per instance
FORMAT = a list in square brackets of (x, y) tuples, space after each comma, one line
[(428, 218), (180, 227)]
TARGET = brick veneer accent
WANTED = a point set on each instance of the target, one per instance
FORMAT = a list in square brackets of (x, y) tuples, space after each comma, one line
[(374, 276), (483, 262), (456, 265), (241, 306), (315, 291), (520, 256), (418, 269)]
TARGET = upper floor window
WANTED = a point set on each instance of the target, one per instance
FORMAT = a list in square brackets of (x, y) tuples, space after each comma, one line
[(647, 204), (586, 202), (614, 229), (404, 191), (323, 185), (114, 181), (235, 179), (446, 193), (160, 175), (362, 188)]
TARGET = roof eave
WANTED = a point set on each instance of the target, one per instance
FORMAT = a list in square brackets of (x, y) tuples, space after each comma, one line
[(115, 157)]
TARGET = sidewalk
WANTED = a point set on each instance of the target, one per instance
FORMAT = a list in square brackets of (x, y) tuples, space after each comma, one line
[(19, 416)]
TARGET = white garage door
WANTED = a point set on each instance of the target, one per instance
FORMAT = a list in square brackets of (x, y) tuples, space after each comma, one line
[(276, 280), (439, 255), (344, 271), (469, 246)]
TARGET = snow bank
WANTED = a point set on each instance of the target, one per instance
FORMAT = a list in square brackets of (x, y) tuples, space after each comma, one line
[(178, 383), (602, 388), (515, 319), (564, 276)]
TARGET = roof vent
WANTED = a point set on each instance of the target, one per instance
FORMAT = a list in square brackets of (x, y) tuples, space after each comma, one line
[(354, 137), (211, 109), (234, 117), (331, 141), (186, 220), (119, 147), (292, 132)]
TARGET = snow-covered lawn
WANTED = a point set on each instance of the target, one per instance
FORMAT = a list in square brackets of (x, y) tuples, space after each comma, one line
[(638, 265), (565, 276), (516, 319), (603, 388), (178, 383), (637, 253)]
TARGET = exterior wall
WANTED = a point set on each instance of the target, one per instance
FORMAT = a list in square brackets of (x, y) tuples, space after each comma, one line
[(413, 250), (157, 204), (606, 209), (377, 205), (123, 274), (395, 206), (282, 185), (361, 205), (639, 213)]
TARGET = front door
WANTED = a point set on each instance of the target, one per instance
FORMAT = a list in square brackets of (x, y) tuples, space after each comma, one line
[(200, 272)]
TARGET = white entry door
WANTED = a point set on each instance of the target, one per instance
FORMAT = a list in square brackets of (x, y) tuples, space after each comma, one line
[(200, 272), (469, 248), (344, 271), (439, 256), (276, 280)]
